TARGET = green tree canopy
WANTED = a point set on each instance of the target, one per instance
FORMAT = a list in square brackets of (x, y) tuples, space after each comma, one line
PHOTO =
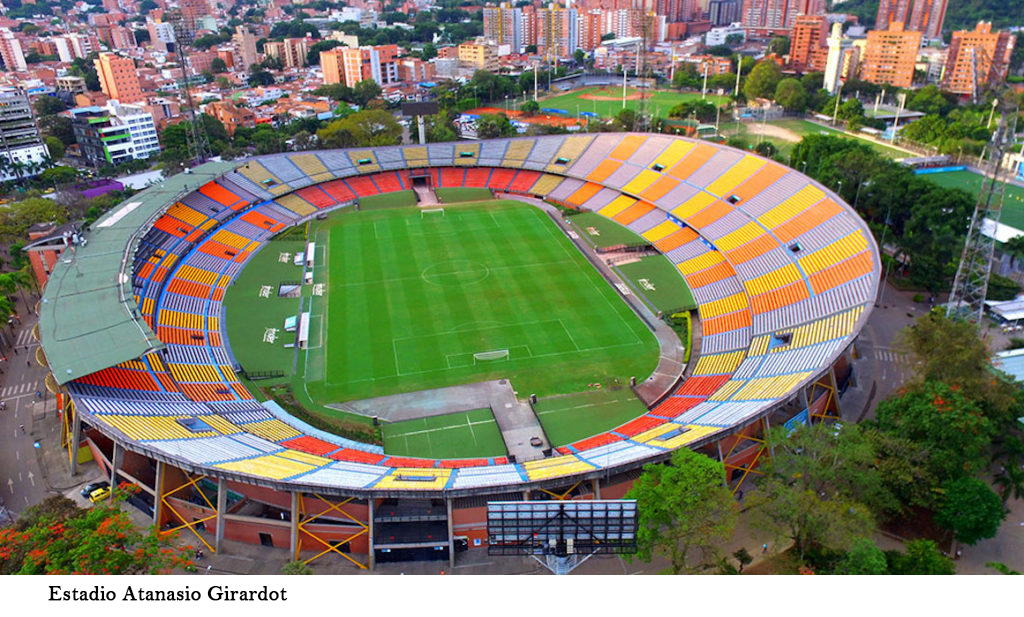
[(791, 95), (55, 147), (369, 127), (490, 126), (970, 509), (762, 81), (921, 557), (863, 558), (685, 511)]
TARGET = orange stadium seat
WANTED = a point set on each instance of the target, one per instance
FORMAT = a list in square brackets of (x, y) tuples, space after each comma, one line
[(452, 177), (762, 179), (311, 445), (357, 456), (675, 240), (807, 220), (477, 177), (219, 194), (316, 197), (675, 406), (338, 190), (726, 323), (500, 179), (710, 275), (777, 298), (387, 182), (362, 186), (122, 378), (701, 154), (639, 425), (524, 180)]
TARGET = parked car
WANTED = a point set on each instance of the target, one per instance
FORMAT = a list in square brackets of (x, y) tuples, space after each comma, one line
[(99, 494), (89, 488)]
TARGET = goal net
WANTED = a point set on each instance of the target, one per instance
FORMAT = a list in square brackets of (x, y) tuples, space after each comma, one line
[(497, 354), (435, 211)]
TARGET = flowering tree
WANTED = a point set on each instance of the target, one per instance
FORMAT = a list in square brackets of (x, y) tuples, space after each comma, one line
[(58, 537)]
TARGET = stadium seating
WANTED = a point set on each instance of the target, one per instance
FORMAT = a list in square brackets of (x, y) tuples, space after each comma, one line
[(781, 273)]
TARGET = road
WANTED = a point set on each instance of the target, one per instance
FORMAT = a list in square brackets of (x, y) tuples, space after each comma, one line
[(21, 423)]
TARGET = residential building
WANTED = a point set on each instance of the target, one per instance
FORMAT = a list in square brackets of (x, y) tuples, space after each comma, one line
[(72, 84), (412, 70), (291, 51), (114, 134), (245, 43), (120, 38), (231, 116), (767, 17), (591, 29), (557, 31), (479, 56), (20, 143), (503, 24), (161, 35), (720, 36), (924, 16), (724, 12), (833, 61), (118, 78), (977, 58), (890, 56), (807, 50), (351, 66), (11, 52)]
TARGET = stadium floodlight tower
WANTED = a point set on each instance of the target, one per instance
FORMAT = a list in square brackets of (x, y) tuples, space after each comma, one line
[(561, 535), (970, 286)]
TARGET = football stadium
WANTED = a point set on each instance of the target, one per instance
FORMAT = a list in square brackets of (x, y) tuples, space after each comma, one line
[(350, 353)]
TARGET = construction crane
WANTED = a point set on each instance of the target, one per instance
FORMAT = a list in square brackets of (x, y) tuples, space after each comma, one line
[(196, 139), (970, 286)]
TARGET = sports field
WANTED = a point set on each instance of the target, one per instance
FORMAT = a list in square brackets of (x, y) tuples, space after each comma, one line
[(417, 300), (462, 194), (470, 434), (570, 418), (606, 101), (397, 199), (786, 132), (600, 231), (1013, 201), (658, 283)]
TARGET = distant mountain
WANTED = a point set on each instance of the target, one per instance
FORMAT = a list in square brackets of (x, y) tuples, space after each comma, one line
[(960, 14)]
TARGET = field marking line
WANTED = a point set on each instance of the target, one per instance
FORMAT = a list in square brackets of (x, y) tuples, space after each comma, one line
[(400, 279), (440, 428), (601, 404), (512, 325), (569, 334), (471, 431)]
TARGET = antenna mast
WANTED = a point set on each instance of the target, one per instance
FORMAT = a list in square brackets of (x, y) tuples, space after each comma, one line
[(197, 141)]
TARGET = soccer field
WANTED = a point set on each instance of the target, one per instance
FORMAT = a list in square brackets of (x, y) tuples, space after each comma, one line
[(470, 434), (659, 103), (570, 418), (418, 300), (1013, 200)]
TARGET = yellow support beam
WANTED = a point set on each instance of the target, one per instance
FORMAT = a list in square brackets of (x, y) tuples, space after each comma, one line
[(331, 547), (190, 525)]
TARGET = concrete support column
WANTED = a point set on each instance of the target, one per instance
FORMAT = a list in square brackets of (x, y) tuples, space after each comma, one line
[(721, 459), (222, 507), (76, 437), (764, 435), (116, 461), (158, 490), (295, 526), (596, 483), (372, 557), (451, 533), (835, 390)]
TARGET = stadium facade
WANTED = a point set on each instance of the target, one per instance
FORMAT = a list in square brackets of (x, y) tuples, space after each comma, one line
[(131, 325)]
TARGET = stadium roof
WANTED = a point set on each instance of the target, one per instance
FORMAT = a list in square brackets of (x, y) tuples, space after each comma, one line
[(88, 318)]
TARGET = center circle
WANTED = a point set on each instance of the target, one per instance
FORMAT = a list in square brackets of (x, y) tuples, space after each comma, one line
[(455, 272)]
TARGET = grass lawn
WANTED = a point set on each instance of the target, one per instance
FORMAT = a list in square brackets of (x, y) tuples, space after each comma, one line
[(601, 231), (469, 434), (658, 283), (659, 103), (412, 298), (398, 199), (1013, 201), (787, 132), (461, 194), (570, 418)]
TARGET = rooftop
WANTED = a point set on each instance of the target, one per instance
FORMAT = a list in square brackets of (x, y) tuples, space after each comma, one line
[(87, 318)]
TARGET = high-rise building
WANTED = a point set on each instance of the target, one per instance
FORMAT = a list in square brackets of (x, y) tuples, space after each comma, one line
[(924, 16), (292, 51), (503, 24), (20, 142), (977, 57), (11, 53), (161, 35), (245, 43), (118, 78), (557, 31), (120, 38), (114, 134), (529, 25), (353, 65), (479, 56), (590, 29), (890, 56), (833, 61), (765, 17), (807, 51), (723, 12)]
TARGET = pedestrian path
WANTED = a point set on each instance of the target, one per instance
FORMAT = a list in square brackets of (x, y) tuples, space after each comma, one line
[(18, 389), (25, 338)]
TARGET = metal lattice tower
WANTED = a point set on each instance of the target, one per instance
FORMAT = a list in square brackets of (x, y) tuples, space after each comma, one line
[(967, 299), (197, 141)]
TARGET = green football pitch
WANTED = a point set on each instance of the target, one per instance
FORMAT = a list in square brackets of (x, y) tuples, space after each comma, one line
[(1013, 199), (469, 434), (416, 300), (659, 102)]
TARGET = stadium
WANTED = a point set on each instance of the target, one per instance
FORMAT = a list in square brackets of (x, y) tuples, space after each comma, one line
[(134, 329)]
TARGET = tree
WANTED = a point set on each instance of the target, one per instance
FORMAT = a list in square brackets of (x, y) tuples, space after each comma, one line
[(530, 108), (218, 66), (59, 127), (944, 422), (762, 81), (778, 45), (490, 126), (336, 92), (57, 537), (863, 558), (921, 557), (55, 147), (579, 56), (970, 509), (685, 511), (815, 487), (49, 105), (370, 127), (365, 91), (766, 149), (791, 95), (296, 568), (261, 77)]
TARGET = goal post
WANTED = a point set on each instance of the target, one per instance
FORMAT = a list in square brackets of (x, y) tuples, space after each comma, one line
[(485, 356), (426, 211)]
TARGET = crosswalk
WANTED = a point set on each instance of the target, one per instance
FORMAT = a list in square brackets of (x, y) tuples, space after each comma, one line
[(25, 337), (17, 389), (891, 356)]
